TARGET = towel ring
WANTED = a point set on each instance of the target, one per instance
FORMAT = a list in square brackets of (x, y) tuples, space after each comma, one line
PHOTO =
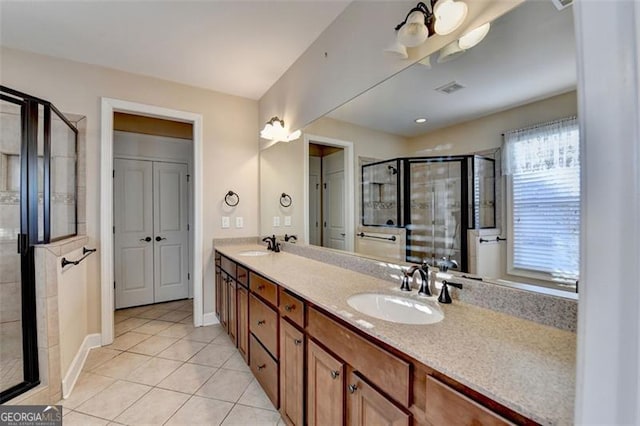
[(285, 200), (230, 198)]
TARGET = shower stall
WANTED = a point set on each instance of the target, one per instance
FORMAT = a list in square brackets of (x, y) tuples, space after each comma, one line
[(38, 205), (436, 199)]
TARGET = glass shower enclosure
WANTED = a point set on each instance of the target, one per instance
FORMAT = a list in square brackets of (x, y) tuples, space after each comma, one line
[(37, 205), (436, 199)]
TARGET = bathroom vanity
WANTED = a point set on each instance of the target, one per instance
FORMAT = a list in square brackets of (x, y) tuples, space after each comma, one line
[(322, 362)]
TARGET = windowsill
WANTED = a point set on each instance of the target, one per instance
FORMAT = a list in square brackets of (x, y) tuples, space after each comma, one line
[(565, 294)]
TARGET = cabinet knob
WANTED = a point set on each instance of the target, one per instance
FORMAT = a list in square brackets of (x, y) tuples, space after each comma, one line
[(289, 308), (262, 322), (260, 367), (353, 388), (160, 238), (261, 287), (335, 374), (297, 342), (147, 239)]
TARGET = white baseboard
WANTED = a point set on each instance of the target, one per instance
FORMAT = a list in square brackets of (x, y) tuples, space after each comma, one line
[(69, 381), (210, 319)]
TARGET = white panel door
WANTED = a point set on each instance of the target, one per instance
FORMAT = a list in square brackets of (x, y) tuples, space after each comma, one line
[(333, 201), (171, 236), (315, 201), (133, 220)]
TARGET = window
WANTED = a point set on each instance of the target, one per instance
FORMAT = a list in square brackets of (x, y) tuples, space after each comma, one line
[(543, 183)]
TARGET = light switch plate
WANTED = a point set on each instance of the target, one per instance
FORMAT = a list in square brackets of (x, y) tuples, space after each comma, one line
[(276, 221), (225, 222), (287, 221), (239, 222)]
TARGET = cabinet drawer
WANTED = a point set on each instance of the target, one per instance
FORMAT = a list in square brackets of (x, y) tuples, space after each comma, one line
[(445, 407), (380, 367), (229, 266), (265, 369), (264, 288), (291, 307), (264, 324), (243, 276)]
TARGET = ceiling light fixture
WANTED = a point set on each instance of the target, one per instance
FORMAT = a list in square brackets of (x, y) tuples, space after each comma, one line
[(420, 120), (473, 37), (275, 131), (449, 15)]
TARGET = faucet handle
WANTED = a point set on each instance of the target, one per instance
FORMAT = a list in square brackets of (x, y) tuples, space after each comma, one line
[(405, 286), (444, 293)]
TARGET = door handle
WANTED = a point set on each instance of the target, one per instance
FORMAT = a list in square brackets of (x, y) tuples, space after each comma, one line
[(160, 238), (343, 234), (145, 239)]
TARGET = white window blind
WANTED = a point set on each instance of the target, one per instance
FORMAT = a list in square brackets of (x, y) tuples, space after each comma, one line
[(544, 168)]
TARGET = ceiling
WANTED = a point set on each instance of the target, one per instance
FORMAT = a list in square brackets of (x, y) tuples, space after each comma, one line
[(236, 47), (529, 54)]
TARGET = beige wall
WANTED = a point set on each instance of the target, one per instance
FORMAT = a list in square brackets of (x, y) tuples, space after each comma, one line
[(230, 129), (486, 133), (281, 169)]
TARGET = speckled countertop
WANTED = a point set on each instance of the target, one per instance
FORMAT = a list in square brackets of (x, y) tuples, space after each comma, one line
[(523, 365)]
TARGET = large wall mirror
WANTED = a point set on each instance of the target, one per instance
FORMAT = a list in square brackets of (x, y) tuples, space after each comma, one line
[(414, 169)]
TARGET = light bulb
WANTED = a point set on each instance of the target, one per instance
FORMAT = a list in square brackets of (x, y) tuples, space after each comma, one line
[(414, 32)]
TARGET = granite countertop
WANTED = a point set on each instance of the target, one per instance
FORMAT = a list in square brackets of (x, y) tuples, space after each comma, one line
[(523, 365)]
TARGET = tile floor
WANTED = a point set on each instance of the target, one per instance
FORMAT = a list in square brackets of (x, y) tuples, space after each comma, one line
[(160, 370)]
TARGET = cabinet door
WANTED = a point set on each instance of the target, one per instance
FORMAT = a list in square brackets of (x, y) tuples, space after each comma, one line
[(291, 374), (218, 291), (243, 322), (224, 300), (367, 407), (325, 387), (232, 323)]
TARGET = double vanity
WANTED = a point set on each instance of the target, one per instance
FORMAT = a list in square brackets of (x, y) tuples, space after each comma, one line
[(331, 346)]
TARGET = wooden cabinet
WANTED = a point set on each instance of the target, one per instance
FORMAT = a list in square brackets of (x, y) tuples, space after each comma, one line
[(218, 284), (291, 374), (366, 406), (264, 288), (325, 387), (264, 324), (291, 307), (243, 321), (232, 321), (224, 300), (446, 406), (265, 369)]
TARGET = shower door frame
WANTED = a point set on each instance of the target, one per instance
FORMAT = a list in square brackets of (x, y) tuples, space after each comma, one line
[(27, 239)]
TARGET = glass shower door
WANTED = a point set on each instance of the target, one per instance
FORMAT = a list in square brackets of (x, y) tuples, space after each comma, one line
[(11, 357), (434, 228)]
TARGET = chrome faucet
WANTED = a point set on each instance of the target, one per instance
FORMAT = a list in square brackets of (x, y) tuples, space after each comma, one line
[(423, 269), (272, 244)]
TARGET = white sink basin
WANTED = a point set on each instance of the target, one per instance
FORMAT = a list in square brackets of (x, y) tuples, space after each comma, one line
[(395, 308), (253, 253)]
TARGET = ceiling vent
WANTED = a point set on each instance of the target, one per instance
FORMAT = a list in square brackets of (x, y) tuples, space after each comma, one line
[(450, 88), (562, 4)]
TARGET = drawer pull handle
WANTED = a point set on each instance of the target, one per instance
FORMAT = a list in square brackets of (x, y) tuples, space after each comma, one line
[(260, 367), (335, 374), (353, 388), (261, 287), (289, 308), (261, 322), (297, 342)]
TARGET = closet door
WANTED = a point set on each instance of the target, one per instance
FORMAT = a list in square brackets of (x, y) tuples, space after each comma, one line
[(171, 235), (133, 220)]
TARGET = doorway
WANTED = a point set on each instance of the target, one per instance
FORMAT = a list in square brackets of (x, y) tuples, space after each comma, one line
[(109, 108), (329, 200)]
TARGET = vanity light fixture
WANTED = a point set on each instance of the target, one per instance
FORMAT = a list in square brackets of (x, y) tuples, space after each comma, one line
[(473, 37), (274, 130), (426, 19)]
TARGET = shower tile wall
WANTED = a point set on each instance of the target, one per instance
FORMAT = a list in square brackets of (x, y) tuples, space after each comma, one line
[(11, 368)]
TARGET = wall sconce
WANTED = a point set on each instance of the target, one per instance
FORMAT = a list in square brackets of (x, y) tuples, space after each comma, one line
[(274, 131), (440, 17)]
